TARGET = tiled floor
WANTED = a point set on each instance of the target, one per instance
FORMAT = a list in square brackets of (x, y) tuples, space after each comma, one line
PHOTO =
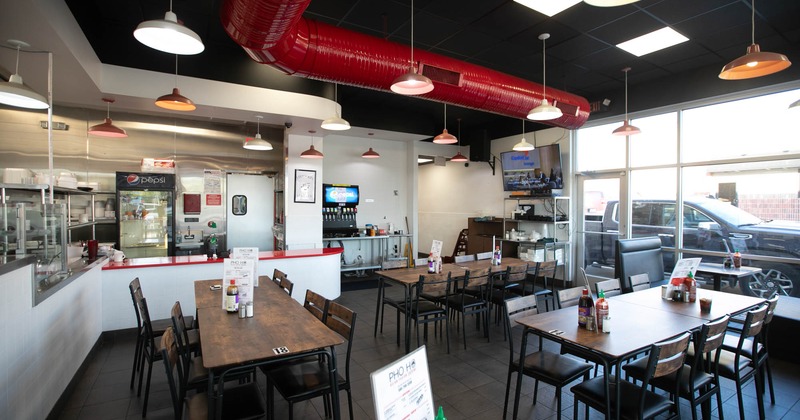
[(469, 384)]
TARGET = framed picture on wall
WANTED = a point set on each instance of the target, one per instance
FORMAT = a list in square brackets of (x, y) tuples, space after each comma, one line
[(305, 186)]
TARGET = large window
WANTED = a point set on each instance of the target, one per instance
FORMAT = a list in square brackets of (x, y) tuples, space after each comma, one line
[(739, 185)]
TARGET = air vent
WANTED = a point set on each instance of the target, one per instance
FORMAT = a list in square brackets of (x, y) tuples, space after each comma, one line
[(567, 109), (440, 75)]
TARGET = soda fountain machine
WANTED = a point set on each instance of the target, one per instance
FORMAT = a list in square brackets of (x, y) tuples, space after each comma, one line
[(339, 210)]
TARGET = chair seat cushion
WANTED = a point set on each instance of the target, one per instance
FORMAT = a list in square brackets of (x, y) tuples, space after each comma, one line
[(455, 302), (727, 365), (194, 339), (593, 392), (553, 368), (301, 380), (637, 371), (197, 375), (731, 342)]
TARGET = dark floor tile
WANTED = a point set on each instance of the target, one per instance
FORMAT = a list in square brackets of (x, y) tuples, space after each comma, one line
[(109, 410)]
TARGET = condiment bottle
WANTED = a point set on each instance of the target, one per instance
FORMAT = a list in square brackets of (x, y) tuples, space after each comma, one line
[(438, 264), (691, 288), (585, 308), (737, 259), (431, 264), (497, 256), (601, 309), (232, 297)]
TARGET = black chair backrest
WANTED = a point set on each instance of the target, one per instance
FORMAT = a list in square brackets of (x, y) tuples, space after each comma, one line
[(670, 355), (516, 273), (277, 275), (515, 309), (286, 285), (772, 303), (316, 304), (710, 339), (147, 326), (181, 335), (477, 279), (753, 323), (569, 297), (546, 268), (636, 256), (135, 286)]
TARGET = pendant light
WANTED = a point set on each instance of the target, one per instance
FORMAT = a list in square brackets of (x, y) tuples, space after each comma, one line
[(544, 111), (459, 157), (107, 128), (445, 137), (412, 83), (523, 146), (14, 92), (175, 101), (336, 122), (370, 154), (169, 35), (755, 63), (626, 129), (257, 143), (608, 3), (312, 153)]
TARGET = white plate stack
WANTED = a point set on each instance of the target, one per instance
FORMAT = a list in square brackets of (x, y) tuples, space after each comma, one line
[(66, 180)]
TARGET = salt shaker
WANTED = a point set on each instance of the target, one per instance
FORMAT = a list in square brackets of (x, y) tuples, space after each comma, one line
[(249, 308), (242, 310)]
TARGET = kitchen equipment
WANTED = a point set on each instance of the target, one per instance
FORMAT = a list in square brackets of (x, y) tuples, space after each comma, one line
[(189, 242), (145, 205), (15, 175)]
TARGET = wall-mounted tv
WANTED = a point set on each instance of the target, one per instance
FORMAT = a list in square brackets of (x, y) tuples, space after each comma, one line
[(537, 171), (339, 195)]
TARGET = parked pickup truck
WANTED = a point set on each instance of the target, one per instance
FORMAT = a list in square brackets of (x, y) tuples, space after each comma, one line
[(709, 225)]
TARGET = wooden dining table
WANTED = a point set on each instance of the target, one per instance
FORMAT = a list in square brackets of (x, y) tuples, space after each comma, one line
[(280, 329), (409, 277), (638, 320)]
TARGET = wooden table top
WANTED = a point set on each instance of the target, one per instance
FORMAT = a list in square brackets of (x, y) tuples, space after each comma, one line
[(721, 303), (638, 320), (410, 276), (278, 321)]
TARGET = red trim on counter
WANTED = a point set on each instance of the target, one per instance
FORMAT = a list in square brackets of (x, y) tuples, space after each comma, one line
[(202, 259)]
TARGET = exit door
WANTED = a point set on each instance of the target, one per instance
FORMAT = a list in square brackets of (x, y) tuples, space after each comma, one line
[(250, 211)]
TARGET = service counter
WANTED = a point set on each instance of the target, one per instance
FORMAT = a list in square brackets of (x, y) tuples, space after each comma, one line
[(166, 280)]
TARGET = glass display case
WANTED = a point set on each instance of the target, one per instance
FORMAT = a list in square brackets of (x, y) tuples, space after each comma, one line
[(32, 227)]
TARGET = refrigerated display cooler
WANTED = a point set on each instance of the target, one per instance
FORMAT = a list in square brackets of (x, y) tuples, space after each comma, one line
[(146, 214)]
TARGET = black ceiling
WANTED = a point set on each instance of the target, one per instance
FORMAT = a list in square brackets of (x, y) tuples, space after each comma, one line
[(499, 34)]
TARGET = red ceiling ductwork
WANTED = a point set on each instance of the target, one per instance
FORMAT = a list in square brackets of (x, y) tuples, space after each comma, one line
[(274, 32)]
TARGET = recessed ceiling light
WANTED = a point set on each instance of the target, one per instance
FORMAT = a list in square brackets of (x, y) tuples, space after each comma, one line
[(654, 41), (548, 7)]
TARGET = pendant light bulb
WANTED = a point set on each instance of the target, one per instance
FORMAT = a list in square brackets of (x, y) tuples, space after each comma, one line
[(107, 127), (754, 63), (445, 137), (412, 83), (15, 93), (169, 35), (544, 111), (523, 145), (336, 122), (257, 143), (626, 129)]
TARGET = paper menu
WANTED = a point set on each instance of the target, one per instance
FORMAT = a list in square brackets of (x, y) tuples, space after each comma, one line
[(248, 254), (402, 389), (241, 271), (436, 247), (684, 266)]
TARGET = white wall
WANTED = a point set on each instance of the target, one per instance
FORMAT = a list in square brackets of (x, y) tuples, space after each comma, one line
[(450, 194), (303, 220), (43, 346)]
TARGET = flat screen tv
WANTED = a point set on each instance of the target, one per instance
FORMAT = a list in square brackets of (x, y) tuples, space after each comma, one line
[(537, 171), (339, 195)]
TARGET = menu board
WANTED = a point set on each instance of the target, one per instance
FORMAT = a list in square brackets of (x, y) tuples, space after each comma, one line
[(684, 266), (402, 389), (240, 270), (248, 254), (436, 247)]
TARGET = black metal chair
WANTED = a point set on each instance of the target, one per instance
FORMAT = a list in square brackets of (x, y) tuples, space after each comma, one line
[(310, 379), (423, 310), (238, 402), (609, 287), (698, 381), (542, 365), (472, 298), (637, 402)]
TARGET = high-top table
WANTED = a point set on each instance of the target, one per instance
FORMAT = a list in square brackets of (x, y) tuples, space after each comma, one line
[(638, 320), (280, 329), (718, 270), (408, 277)]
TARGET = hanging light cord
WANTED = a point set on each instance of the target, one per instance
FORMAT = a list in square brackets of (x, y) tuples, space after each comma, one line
[(336, 99), (176, 69), (412, 34), (544, 71), (16, 69), (626, 93), (753, 22), (258, 126), (445, 116), (459, 134), (108, 109)]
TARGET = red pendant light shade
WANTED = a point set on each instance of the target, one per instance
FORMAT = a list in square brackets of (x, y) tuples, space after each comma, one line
[(370, 154), (107, 127), (445, 137), (755, 63), (175, 101)]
